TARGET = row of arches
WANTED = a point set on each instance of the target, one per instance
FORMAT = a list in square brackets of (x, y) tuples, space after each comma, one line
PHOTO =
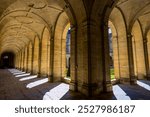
[(129, 48), (36, 33)]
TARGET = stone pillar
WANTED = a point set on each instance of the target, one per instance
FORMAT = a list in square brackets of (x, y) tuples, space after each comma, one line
[(20, 56), (15, 61), (145, 43), (107, 86), (89, 60), (32, 58), (148, 57), (39, 59), (36, 56), (27, 58), (22, 61), (24, 58), (83, 60), (116, 53), (17, 56), (51, 58), (44, 53), (73, 59), (132, 79)]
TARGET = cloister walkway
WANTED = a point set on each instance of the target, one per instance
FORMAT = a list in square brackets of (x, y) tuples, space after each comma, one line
[(17, 85)]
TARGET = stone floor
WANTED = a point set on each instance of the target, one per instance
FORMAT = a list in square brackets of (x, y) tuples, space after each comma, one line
[(17, 85)]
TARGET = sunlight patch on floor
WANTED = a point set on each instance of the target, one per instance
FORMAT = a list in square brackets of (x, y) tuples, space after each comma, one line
[(22, 75), (28, 78), (19, 73), (37, 83), (57, 93), (16, 72), (146, 86), (120, 94)]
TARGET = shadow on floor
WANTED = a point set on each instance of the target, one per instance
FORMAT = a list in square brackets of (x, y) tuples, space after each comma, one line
[(135, 92), (145, 81), (11, 88)]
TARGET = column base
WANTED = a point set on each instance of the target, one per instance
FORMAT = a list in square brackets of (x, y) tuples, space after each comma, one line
[(73, 86), (31, 72), (50, 77), (34, 73), (56, 79), (87, 89), (147, 77), (26, 71), (115, 81), (23, 70), (108, 86), (40, 75), (131, 80)]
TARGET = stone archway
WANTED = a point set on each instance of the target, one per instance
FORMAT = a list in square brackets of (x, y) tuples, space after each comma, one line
[(138, 51), (7, 60)]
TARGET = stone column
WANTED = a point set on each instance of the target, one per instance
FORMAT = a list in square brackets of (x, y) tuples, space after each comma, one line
[(27, 58), (32, 58), (48, 59), (116, 53), (22, 61), (83, 59), (51, 58), (24, 58), (17, 58), (107, 86), (73, 59), (132, 79), (89, 60), (39, 58), (36, 58), (16, 61), (145, 42), (44, 52), (20, 56)]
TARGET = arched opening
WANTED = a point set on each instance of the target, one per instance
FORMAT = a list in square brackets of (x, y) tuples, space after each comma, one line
[(7, 60), (114, 53), (36, 56), (148, 48), (121, 52), (45, 44), (112, 75), (138, 51), (26, 59), (68, 37), (59, 60), (30, 57), (66, 51)]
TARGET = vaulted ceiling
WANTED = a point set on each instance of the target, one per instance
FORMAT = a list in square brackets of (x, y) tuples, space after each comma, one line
[(23, 20), (133, 10)]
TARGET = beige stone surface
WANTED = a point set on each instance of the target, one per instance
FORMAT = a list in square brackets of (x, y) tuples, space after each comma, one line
[(35, 32)]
